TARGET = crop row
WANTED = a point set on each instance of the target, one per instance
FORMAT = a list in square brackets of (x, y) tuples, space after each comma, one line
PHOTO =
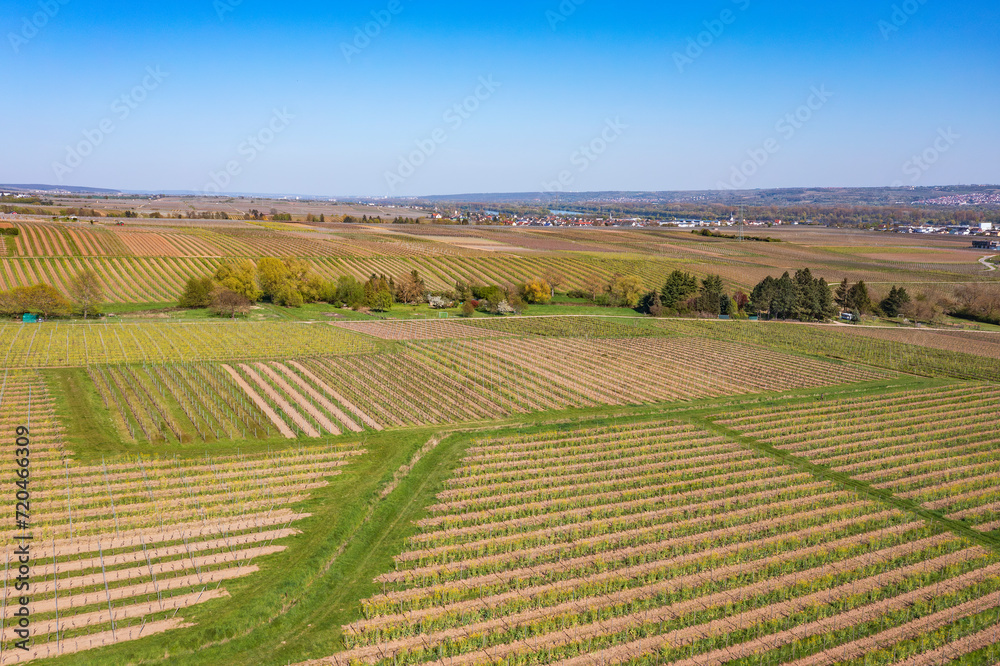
[(147, 266), (58, 344), (121, 547), (725, 554), (124, 279), (428, 382), (629, 371), (843, 343), (939, 447)]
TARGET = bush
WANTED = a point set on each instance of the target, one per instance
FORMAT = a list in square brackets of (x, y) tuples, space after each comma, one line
[(288, 296), (536, 291), (40, 299), (229, 303), (197, 293)]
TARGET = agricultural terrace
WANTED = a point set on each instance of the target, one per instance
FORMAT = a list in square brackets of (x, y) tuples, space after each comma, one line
[(663, 542), (938, 448), (81, 344), (122, 546)]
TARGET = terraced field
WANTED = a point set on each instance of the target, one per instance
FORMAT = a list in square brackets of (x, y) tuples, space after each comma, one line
[(661, 542)]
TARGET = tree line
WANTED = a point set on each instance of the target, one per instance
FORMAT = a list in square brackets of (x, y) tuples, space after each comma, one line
[(235, 287)]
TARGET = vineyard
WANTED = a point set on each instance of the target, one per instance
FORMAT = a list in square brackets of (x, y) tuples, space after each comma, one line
[(508, 491), (83, 344), (470, 380), (120, 547), (147, 263), (938, 448), (900, 351), (661, 542), (151, 265)]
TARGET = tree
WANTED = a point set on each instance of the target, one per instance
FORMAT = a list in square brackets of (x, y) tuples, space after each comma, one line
[(625, 291), (468, 309), (512, 297), (841, 297), (463, 291), (593, 287), (378, 294), (411, 289), (729, 307), (40, 299), (381, 301), (678, 288), (86, 291), (555, 280), (350, 292), (229, 303), (813, 299), (288, 296), (272, 276), (859, 299), (240, 277), (710, 297), (784, 298), (892, 305), (763, 295), (652, 304), (536, 291), (742, 300), (197, 293)]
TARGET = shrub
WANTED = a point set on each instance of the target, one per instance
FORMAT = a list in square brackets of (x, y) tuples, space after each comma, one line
[(197, 293)]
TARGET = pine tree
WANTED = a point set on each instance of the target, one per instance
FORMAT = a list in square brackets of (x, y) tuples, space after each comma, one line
[(842, 290)]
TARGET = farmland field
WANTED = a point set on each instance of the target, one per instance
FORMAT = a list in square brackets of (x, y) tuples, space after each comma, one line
[(150, 260), (329, 487)]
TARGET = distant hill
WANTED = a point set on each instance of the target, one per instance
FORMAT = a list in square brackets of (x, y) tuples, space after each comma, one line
[(832, 196)]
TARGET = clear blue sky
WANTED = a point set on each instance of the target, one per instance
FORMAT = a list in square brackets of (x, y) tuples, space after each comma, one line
[(598, 73)]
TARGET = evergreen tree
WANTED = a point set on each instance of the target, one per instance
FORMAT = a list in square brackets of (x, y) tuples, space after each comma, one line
[(785, 297), (710, 298), (893, 303), (763, 295), (678, 288), (842, 290), (859, 299)]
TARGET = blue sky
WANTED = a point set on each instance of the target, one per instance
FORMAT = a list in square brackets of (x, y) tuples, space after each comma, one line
[(560, 94)]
